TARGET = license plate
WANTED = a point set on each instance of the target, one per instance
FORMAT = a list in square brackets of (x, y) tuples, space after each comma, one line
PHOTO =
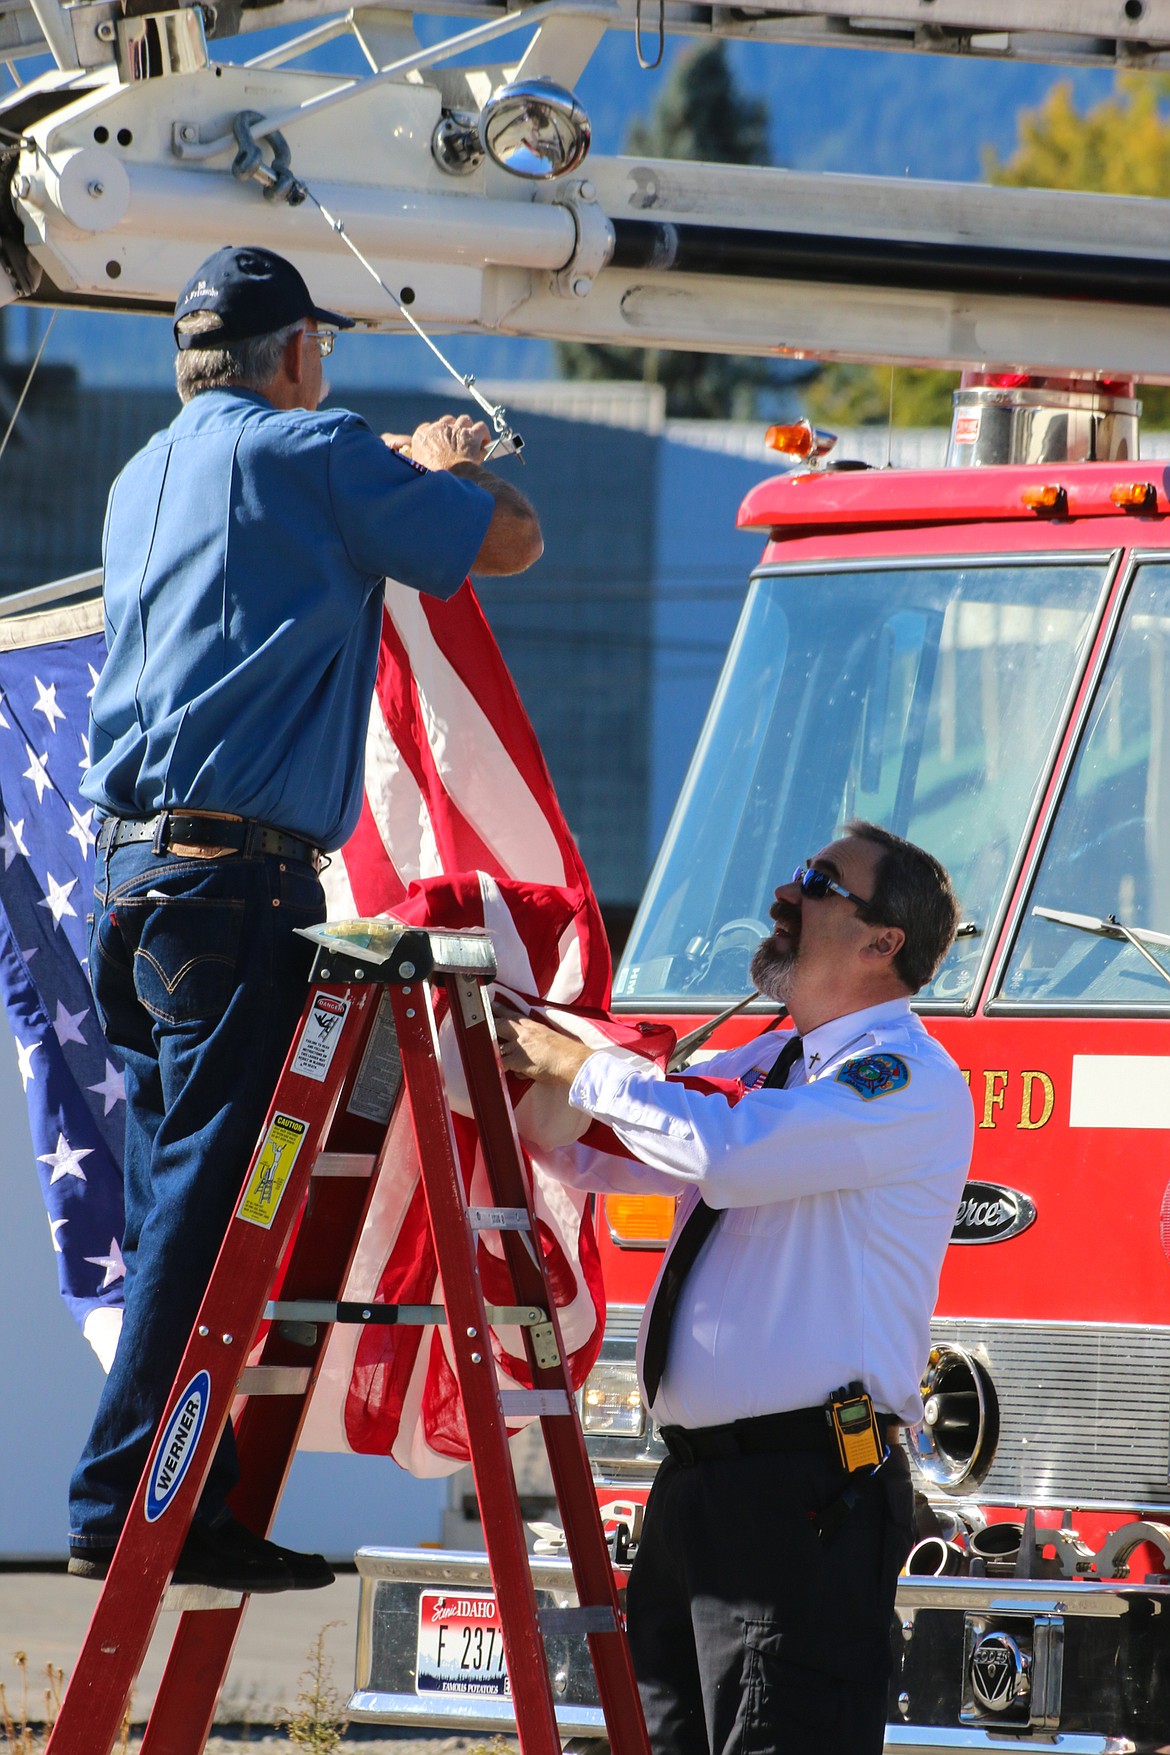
[(460, 1644)]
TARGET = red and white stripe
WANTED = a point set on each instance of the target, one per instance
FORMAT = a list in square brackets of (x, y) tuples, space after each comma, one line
[(460, 827)]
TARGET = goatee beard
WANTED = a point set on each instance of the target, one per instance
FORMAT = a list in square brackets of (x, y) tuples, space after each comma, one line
[(771, 970)]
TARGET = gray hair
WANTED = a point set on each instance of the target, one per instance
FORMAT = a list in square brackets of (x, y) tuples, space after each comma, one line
[(250, 364)]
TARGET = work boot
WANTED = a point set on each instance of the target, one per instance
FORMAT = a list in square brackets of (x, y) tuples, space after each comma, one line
[(228, 1557)]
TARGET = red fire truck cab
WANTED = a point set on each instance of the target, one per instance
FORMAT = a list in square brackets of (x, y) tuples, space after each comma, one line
[(979, 658)]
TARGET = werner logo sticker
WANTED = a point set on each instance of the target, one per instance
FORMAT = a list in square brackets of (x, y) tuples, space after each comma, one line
[(176, 1447), (320, 1036), (266, 1185)]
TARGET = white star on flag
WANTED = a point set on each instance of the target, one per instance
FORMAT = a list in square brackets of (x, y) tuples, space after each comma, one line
[(57, 901), (54, 1226), (112, 1088), (114, 1265), (93, 685), (81, 831), (65, 1160), (84, 762), (24, 1061), (3, 721), (46, 703), (12, 841), (66, 1024), (37, 772)]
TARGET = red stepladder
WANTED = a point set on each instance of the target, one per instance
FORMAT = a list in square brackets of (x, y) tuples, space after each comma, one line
[(369, 1031)]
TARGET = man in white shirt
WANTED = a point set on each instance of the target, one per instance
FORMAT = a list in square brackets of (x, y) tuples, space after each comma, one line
[(818, 1191)]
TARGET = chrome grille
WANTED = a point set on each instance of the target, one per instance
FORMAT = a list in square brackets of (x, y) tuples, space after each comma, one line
[(1084, 1411)]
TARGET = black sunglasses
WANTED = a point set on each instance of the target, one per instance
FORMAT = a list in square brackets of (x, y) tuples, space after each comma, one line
[(818, 884)]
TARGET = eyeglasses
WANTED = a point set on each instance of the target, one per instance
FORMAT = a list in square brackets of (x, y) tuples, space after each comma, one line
[(324, 339), (818, 884)]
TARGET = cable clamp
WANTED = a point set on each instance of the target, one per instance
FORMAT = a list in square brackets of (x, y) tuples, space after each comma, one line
[(595, 241)]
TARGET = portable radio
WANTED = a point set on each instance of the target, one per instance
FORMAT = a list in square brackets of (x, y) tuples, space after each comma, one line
[(859, 1438)]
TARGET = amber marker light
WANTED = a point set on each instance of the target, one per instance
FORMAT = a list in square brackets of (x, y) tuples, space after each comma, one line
[(1048, 498), (1135, 496), (640, 1221), (801, 440)]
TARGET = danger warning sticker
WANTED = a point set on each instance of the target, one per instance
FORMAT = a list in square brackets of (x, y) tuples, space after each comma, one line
[(320, 1036), (266, 1184)]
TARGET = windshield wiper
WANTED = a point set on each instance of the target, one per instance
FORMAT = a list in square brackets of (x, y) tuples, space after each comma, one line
[(694, 1039), (1111, 927)]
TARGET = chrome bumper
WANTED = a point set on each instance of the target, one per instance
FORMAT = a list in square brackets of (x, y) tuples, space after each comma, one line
[(1101, 1685)]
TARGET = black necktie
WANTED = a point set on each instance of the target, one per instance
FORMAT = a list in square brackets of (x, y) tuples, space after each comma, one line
[(691, 1239)]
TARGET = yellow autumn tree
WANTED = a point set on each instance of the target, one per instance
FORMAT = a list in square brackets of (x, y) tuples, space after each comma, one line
[(1118, 146)]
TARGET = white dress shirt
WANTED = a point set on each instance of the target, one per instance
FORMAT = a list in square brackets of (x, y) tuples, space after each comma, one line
[(837, 1198)]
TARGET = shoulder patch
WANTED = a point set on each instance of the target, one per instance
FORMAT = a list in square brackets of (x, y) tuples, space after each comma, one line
[(875, 1075)]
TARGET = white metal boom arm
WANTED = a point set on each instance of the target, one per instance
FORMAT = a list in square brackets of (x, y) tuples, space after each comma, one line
[(113, 189), (1076, 32)]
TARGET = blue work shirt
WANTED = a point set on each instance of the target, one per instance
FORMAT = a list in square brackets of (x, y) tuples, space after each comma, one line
[(244, 551)]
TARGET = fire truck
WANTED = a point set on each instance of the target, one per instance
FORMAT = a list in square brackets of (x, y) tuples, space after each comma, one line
[(976, 656)]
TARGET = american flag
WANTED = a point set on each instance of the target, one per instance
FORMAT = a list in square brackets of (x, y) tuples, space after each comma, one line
[(460, 827), (72, 1080)]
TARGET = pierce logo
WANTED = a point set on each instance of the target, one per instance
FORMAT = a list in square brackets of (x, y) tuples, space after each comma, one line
[(990, 1213), (176, 1447), (996, 1668)]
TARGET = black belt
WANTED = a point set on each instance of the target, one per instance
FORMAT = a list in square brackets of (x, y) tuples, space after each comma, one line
[(193, 829), (806, 1429)]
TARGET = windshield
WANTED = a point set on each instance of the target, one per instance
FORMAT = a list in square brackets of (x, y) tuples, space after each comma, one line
[(1109, 850), (924, 698)]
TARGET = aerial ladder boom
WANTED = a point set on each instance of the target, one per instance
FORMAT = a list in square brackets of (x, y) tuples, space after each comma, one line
[(141, 151)]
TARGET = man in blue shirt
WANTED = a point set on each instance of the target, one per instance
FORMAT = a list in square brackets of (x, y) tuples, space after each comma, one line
[(245, 553)]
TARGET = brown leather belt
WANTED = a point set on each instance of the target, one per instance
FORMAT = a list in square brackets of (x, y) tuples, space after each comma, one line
[(194, 834)]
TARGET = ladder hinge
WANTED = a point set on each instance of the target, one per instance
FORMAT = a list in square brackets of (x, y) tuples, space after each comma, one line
[(544, 1345)]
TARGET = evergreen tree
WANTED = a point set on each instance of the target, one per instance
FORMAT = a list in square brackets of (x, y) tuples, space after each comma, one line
[(701, 114)]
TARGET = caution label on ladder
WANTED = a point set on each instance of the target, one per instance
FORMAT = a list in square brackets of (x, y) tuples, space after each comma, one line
[(320, 1036), (278, 1154)]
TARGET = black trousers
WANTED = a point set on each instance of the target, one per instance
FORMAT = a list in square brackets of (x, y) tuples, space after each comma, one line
[(750, 1633)]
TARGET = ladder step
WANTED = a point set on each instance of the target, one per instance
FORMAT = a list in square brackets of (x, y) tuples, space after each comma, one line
[(574, 1623), (179, 1598), (393, 1315), (356, 1164), (330, 1310), (274, 1380), (534, 1401), (499, 1218)]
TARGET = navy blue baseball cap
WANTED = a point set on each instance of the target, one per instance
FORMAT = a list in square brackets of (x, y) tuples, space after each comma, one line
[(253, 292)]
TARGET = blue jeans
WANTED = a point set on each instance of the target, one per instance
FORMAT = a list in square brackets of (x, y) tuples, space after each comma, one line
[(198, 983)]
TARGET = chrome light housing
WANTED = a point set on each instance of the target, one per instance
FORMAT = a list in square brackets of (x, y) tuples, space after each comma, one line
[(956, 1441), (535, 128), (455, 144)]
